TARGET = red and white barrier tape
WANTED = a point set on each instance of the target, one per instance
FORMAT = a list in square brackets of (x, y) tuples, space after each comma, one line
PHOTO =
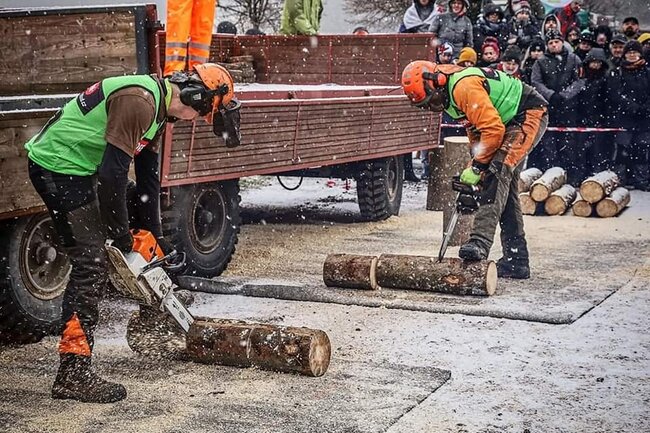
[(552, 128)]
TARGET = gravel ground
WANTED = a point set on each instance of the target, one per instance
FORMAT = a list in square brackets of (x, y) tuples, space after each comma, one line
[(592, 375)]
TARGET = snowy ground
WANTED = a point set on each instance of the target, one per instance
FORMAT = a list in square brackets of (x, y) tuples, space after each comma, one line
[(591, 375)]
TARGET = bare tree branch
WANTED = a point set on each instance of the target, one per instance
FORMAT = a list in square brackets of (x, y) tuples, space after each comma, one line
[(254, 13)]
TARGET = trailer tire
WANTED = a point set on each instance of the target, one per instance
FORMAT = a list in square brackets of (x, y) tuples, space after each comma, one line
[(379, 188), (203, 222), (33, 277)]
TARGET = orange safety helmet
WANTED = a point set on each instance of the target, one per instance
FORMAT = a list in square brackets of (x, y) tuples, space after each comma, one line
[(206, 89), (421, 80)]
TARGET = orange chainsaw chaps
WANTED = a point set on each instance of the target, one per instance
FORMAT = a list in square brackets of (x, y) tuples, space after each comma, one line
[(145, 243)]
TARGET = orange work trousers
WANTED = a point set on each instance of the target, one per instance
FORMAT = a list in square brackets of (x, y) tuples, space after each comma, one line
[(189, 33)]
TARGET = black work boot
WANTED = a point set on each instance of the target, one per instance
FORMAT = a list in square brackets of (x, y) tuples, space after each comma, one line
[(514, 263), (76, 381), (472, 251)]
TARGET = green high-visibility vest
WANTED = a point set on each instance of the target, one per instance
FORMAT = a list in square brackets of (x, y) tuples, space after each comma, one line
[(73, 141), (504, 92)]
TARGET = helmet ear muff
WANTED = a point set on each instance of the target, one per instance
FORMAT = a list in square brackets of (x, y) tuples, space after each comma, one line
[(438, 79), (199, 98)]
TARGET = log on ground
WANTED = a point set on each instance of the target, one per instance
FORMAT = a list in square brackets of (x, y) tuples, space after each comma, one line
[(350, 271), (527, 177), (598, 186), (560, 200), (268, 347), (153, 333), (582, 208), (452, 275), (550, 181), (614, 204)]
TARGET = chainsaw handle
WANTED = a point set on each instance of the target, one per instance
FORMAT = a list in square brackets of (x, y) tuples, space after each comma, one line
[(164, 261)]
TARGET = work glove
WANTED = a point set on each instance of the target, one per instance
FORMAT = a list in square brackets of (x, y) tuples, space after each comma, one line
[(166, 246), (124, 243), (471, 176)]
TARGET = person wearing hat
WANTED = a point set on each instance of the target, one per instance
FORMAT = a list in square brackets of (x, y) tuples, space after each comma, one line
[(595, 150), (467, 57), (535, 7), (556, 77), (630, 28), (490, 53), (534, 52), (521, 28), (511, 61), (505, 119), (491, 23), (79, 165), (616, 50), (419, 17), (568, 16), (602, 37), (629, 94), (454, 26), (585, 45)]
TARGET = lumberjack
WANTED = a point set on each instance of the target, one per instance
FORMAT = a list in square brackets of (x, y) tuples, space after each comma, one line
[(505, 119)]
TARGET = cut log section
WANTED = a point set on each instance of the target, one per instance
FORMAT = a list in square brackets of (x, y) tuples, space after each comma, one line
[(560, 200), (527, 177), (528, 205), (581, 207), (614, 204), (350, 271), (453, 276), (598, 186), (550, 181), (241, 344)]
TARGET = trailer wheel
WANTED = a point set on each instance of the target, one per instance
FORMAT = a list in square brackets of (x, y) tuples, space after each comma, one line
[(379, 188), (203, 222), (33, 275)]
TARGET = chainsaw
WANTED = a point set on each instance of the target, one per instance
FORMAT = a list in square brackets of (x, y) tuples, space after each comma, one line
[(140, 275), (466, 203)]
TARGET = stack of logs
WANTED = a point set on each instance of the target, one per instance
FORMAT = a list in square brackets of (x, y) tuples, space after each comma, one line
[(548, 193), (545, 192), (241, 68), (601, 195)]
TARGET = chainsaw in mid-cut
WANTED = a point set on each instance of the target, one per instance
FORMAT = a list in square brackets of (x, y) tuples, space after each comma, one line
[(466, 203), (142, 275)]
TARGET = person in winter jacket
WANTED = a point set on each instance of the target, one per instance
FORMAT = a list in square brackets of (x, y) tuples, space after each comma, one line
[(511, 61), (535, 51), (491, 23), (490, 53), (573, 36), (630, 28), (568, 16), (419, 17), (644, 40), (585, 45), (467, 57), (550, 22), (629, 93), (602, 37), (596, 150), (445, 53), (301, 17), (616, 47), (521, 28), (556, 77), (454, 26), (536, 9)]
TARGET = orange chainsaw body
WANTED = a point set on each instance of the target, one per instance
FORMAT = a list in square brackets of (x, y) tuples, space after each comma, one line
[(145, 243)]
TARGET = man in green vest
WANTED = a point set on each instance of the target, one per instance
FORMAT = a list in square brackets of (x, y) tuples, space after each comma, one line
[(79, 163), (301, 17), (505, 119)]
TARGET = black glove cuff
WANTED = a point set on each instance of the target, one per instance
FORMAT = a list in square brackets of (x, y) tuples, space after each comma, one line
[(479, 165)]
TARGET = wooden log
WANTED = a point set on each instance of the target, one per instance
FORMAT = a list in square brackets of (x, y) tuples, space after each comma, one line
[(436, 199), (350, 271), (598, 186), (527, 177), (560, 200), (614, 204), (456, 155), (551, 180), (581, 207), (528, 205), (452, 275), (269, 347)]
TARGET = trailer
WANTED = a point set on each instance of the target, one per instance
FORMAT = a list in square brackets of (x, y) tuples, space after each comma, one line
[(324, 106)]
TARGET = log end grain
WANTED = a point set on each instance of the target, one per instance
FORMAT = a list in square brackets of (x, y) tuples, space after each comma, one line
[(592, 191), (350, 271), (320, 351), (491, 278), (554, 205), (528, 205), (582, 208), (539, 192)]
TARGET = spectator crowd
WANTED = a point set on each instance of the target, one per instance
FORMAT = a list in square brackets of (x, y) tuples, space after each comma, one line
[(590, 75)]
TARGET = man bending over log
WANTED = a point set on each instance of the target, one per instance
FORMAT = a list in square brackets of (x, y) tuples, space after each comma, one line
[(505, 119)]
